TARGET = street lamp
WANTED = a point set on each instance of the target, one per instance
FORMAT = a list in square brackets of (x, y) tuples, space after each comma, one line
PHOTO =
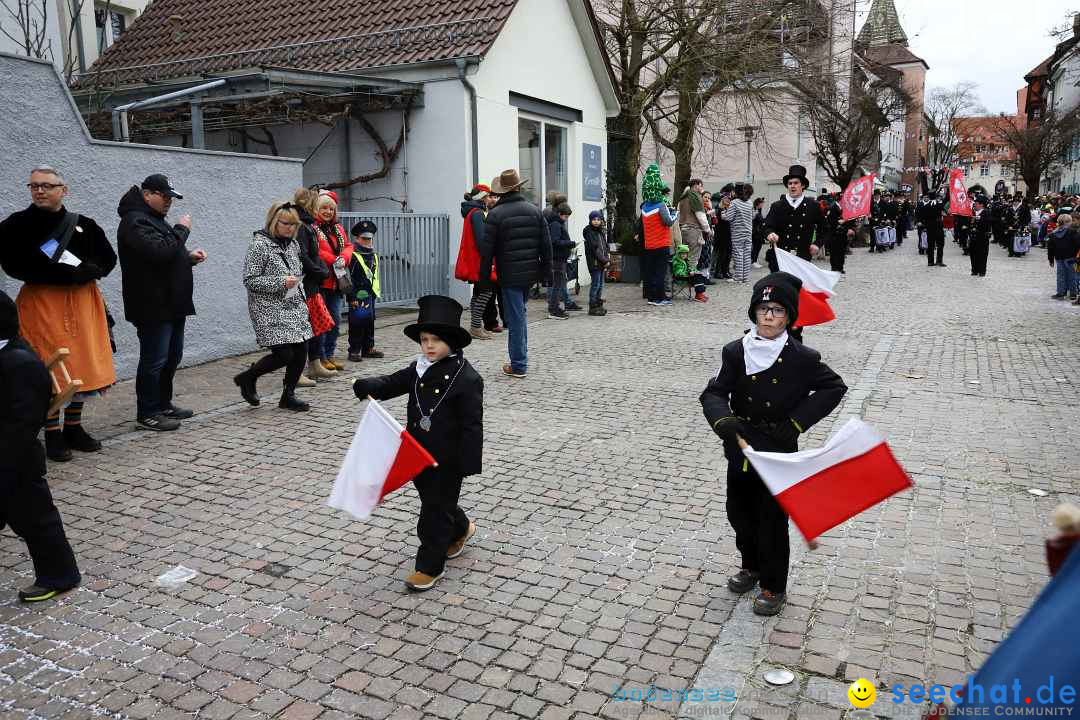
[(748, 135)]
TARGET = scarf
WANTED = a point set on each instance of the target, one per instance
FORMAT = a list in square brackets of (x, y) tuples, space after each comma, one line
[(760, 353), (422, 363), (793, 202), (332, 233)]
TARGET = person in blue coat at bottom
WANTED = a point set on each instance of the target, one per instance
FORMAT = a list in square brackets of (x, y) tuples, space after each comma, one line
[(26, 505), (446, 417), (769, 390)]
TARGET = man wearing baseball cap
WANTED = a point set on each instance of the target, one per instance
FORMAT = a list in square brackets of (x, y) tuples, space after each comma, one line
[(158, 284)]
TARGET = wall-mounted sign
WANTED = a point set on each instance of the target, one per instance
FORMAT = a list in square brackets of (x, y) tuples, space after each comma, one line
[(592, 173)]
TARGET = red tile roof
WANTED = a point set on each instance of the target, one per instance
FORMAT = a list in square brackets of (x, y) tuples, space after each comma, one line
[(180, 38), (891, 55)]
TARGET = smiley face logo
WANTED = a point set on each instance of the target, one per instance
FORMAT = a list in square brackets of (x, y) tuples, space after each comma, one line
[(861, 693)]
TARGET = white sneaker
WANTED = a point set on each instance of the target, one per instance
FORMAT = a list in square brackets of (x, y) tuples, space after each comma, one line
[(757, 265)]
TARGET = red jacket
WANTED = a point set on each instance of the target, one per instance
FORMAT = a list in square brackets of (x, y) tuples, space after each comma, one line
[(467, 267), (332, 246)]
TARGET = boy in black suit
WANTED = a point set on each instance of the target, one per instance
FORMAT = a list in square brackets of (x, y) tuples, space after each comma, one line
[(446, 416), (770, 389)]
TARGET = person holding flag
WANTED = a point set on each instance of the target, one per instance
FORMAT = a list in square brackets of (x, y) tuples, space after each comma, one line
[(929, 213), (792, 220), (446, 418), (769, 390)]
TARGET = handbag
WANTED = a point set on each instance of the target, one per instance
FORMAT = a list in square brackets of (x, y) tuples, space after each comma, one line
[(321, 319), (344, 279)]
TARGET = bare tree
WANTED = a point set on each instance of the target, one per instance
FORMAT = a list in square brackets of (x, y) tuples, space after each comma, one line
[(943, 106), (1037, 147), (846, 122), (26, 23)]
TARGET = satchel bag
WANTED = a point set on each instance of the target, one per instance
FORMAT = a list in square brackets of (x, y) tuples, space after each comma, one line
[(321, 319), (344, 279)]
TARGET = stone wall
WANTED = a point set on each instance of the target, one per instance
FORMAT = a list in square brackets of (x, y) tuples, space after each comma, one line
[(227, 195)]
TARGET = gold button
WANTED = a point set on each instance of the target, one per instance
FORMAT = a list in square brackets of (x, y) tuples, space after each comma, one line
[(436, 391), (421, 384), (446, 377), (768, 404), (779, 359), (753, 377), (774, 381)]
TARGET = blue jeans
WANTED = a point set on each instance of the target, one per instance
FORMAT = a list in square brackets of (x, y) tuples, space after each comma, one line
[(161, 348), (1066, 277), (596, 289), (332, 298), (513, 305)]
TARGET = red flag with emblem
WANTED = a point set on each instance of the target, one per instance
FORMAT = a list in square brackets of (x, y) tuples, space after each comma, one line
[(855, 202), (959, 202)]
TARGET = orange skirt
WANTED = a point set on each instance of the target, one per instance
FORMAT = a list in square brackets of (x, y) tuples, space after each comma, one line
[(72, 317)]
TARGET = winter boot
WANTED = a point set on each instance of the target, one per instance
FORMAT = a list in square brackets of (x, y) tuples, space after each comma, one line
[(289, 401), (316, 371), (246, 382)]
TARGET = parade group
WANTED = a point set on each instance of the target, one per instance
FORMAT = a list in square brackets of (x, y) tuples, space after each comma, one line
[(304, 272)]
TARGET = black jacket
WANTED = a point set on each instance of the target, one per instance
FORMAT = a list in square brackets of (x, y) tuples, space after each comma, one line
[(929, 216), (516, 237), (23, 233), (596, 249), (456, 437), (561, 244), (315, 270), (154, 260), (797, 387), (25, 390), (796, 226), (983, 227), (1062, 244)]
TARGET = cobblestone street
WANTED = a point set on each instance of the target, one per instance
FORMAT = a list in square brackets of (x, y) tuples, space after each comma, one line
[(603, 548)]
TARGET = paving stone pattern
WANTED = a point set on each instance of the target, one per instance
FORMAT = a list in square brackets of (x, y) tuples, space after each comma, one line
[(603, 548)]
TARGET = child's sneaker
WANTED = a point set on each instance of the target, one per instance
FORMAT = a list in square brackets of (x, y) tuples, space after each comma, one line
[(458, 545), (557, 315), (419, 582), (701, 298)]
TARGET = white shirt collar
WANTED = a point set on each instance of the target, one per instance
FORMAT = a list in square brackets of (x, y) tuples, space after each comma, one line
[(760, 353), (794, 203), (3, 344), (422, 363)]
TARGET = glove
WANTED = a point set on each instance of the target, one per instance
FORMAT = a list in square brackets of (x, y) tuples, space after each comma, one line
[(786, 431), (87, 272), (727, 428), (362, 388)]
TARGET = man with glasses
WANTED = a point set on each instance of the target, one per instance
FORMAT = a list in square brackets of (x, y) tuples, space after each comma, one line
[(158, 286), (769, 390), (59, 256)]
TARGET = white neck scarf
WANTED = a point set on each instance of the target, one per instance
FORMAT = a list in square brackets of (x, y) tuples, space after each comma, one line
[(3, 344), (795, 202), (760, 353), (422, 363)]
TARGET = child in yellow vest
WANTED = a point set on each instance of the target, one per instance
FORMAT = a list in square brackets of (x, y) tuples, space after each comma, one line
[(364, 269)]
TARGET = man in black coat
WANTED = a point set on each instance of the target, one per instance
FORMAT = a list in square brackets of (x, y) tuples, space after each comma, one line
[(26, 505), (769, 390), (516, 239), (793, 219), (839, 233), (158, 285), (981, 234), (930, 209)]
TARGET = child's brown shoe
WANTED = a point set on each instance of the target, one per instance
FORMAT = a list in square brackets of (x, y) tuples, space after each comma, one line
[(419, 582), (458, 546)]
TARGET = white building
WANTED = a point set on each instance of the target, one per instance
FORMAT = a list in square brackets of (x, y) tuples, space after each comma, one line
[(488, 86), (1062, 96)]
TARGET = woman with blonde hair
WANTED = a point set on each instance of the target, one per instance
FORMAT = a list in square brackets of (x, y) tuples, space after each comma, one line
[(305, 201), (334, 249), (276, 303)]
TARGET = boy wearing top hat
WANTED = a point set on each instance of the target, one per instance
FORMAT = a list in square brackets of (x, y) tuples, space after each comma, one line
[(770, 389), (792, 219), (446, 416)]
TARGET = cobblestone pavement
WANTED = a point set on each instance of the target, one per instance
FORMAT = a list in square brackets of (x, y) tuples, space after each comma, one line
[(602, 549)]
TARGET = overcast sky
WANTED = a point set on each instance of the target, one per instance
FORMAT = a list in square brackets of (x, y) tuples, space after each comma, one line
[(990, 43)]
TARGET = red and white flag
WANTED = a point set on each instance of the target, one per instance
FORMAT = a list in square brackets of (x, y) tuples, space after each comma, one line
[(857, 198), (819, 489), (817, 288), (959, 201), (383, 456)]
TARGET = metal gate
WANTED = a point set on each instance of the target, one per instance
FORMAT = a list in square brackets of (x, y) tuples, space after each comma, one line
[(414, 253)]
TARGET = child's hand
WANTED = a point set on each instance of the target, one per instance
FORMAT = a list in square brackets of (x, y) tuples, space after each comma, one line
[(353, 304), (360, 387)]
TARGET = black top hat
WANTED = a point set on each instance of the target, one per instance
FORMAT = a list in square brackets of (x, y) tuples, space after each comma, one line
[(160, 184), (440, 316), (796, 171)]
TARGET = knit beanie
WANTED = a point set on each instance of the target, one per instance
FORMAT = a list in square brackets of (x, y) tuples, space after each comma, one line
[(9, 317), (652, 185), (778, 287), (596, 215)]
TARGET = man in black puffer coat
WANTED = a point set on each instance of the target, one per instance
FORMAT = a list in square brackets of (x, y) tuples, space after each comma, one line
[(516, 238)]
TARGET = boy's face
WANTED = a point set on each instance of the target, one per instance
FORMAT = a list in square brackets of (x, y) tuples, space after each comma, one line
[(434, 348), (564, 218), (365, 241), (596, 222), (771, 319)]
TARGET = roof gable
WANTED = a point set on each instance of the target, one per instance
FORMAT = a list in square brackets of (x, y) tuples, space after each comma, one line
[(181, 38)]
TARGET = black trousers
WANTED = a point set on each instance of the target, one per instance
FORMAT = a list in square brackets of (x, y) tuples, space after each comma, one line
[(978, 251), (755, 246), (935, 244), (760, 524), (28, 509), (722, 256), (838, 252), (362, 332), (493, 310), (441, 520), (291, 357)]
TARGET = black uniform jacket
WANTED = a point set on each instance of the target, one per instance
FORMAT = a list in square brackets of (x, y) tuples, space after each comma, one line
[(456, 437), (796, 226), (24, 232), (984, 226), (25, 390), (797, 387)]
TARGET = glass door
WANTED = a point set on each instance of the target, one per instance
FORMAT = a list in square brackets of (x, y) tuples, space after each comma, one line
[(542, 158), (529, 155)]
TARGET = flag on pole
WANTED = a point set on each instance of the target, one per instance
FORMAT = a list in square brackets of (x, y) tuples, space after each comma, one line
[(819, 489), (959, 202), (817, 288), (857, 198), (383, 456)]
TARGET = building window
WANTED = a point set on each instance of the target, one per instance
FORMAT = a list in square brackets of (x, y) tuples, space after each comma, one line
[(110, 24), (1002, 171), (980, 148), (542, 158), (984, 169)]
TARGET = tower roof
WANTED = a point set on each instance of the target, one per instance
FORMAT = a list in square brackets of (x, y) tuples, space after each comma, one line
[(882, 26)]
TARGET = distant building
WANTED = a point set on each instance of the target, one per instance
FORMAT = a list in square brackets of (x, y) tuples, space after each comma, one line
[(985, 159), (1062, 96)]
